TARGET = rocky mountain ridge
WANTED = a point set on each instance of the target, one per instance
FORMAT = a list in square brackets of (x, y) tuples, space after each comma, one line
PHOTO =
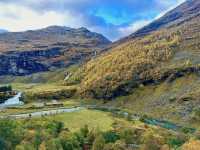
[(23, 53)]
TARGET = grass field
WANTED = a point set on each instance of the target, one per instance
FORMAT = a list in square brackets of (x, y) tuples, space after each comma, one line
[(75, 120), (173, 101)]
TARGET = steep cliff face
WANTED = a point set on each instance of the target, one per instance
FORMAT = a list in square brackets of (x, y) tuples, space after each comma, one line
[(29, 52)]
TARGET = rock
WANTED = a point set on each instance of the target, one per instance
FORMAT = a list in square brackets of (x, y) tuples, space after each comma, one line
[(23, 53)]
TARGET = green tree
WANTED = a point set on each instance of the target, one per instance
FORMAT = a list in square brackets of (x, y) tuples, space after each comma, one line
[(10, 132), (3, 144), (110, 136), (99, 143), (54, 127), (54, 144), (84, 131), (151, 142), (37, 140), (129, 135), (118, 145), (69, 141)]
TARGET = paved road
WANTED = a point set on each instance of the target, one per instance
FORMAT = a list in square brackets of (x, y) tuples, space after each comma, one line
[(43, 113)]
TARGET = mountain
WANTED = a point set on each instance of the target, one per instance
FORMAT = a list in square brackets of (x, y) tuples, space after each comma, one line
[(3, 31), (28, 52), (155, 71), (172, 50), (183, 13)]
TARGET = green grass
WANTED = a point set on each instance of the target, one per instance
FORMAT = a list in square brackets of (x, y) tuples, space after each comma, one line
[(94, 119), (164, 100)]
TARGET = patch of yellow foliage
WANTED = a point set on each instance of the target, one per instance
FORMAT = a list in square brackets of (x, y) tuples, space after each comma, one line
[(191, 145)]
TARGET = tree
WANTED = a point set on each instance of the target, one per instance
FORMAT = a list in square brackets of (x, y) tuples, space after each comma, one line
[(54, 144), (5, 88), (3, 144), (84, 131), (99, 143), (151, 141), (11, 133), (54, 127), (129, 135), (69, 141), (25, 146), (37, 140), (118, 145), (110, 136)]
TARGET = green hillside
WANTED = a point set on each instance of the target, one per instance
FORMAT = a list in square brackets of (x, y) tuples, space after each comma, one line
[(163, 55)]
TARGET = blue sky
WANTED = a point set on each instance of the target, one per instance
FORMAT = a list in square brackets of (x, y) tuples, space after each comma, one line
[(113, 18)]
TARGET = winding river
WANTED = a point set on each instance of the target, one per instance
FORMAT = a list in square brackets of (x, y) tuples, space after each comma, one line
[(14, 101)]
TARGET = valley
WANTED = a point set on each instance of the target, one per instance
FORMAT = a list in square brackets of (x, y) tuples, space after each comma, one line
[(64, 88)]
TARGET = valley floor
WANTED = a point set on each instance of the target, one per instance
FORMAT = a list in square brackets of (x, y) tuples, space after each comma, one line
[(150, 109)]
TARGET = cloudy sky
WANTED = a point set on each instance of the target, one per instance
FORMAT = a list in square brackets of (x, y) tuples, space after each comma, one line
[(113, 18)]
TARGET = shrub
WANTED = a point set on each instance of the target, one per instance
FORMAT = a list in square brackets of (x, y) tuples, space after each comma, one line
[(99, 143), (111, 137), (175, 142), (7, 88), (191, 145)]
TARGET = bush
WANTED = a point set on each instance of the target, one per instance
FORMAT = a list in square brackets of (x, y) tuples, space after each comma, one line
[(11, 133), (99, 143), (130, 136), (50, 95), (111, 137), (175, 142), (7, 88), (196, 114)]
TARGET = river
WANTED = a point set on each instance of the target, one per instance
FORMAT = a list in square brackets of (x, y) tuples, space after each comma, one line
[(14, 101)]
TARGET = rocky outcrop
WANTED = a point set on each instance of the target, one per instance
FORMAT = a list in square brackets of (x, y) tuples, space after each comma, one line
[(29, 52), (19, 66)]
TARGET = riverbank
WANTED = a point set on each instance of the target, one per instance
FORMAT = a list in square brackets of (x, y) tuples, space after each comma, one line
[(114, 111), (145, 119)]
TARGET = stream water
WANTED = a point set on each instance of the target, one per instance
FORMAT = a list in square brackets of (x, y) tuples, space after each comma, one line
[(151, 121), (14, 101)]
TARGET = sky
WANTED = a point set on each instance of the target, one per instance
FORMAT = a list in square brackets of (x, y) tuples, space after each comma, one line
[(112, 18)]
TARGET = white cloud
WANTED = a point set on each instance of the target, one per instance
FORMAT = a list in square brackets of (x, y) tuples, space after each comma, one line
[(124, 31), (19, 18), (133, 27), (21, 15)]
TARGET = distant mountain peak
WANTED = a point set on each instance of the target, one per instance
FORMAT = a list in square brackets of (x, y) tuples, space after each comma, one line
[(83, 29), (56, 27), (48, 48), (3, 31)]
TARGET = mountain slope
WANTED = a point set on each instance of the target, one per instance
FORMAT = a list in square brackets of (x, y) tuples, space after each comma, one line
[(162, 55), (183, 13), (28, 52)]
